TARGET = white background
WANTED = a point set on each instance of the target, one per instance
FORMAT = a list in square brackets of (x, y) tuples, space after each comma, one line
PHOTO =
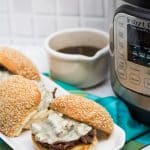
[(28, 22)]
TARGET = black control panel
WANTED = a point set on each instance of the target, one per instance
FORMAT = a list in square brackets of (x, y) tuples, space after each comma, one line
[(138, 40)]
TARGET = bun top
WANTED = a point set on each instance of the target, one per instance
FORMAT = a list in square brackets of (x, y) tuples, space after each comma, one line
[(84, 110), (19, 97), (17, 63)]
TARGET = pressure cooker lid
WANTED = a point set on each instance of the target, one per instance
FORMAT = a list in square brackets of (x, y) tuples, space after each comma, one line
[(140, 3)]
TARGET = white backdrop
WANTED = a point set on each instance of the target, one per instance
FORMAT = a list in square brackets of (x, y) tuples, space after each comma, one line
[(28, 22)]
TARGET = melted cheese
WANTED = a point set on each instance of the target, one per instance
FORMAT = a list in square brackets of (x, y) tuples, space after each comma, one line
[(46, 96), (58, 127), (42, 110)]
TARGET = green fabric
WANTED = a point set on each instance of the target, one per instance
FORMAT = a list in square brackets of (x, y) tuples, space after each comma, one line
[(133, 145), (4, 146), (137, 134)]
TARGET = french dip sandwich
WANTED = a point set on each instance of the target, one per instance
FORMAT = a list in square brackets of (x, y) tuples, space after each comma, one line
[(71, 125), (14, 62), (21, 103)]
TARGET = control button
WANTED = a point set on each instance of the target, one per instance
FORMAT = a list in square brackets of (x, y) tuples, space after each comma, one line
[(121, 44), (122, 64), (122, 73), (134, 78), (121, 55), (121, 21), (121, 33), (147, 83), (121, 52), (134, 69)]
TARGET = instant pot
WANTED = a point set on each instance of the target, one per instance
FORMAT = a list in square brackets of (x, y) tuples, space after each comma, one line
[(130, 51)]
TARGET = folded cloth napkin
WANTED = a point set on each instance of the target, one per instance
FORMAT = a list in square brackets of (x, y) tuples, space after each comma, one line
[(137, 134)]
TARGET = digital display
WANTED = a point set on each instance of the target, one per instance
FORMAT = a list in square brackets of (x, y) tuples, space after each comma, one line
[(138, 45)]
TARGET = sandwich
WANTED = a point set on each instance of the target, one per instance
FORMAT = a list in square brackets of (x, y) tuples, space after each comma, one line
[(12, 62), (21, 103), (72, 124)]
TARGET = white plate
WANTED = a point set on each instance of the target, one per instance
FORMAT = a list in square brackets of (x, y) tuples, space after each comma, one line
[(23, 142)]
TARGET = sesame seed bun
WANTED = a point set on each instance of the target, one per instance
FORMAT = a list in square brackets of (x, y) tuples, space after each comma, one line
[(17, 63), (19, 99), (38, 146), (84, 110)]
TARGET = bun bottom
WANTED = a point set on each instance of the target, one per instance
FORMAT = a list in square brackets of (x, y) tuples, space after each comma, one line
[(38, 146)]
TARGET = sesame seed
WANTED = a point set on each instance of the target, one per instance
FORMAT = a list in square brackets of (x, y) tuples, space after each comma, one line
[(19, 97), (84, 110), (17, 63)]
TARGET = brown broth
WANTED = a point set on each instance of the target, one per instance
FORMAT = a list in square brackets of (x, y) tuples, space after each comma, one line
[(82, 50)]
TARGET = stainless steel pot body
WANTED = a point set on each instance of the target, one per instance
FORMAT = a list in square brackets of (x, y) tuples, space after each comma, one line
[(130, 51)]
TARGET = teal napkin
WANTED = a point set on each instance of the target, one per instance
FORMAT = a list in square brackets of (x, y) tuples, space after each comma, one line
[(137, 134)]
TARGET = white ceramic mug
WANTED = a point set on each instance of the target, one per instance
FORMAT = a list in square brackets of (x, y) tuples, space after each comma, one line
[(79, 70)]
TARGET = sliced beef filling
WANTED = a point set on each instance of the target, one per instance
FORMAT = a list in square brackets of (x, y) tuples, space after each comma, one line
[(86, 139)]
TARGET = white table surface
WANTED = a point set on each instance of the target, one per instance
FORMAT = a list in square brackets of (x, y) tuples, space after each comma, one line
[(39, 57)]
